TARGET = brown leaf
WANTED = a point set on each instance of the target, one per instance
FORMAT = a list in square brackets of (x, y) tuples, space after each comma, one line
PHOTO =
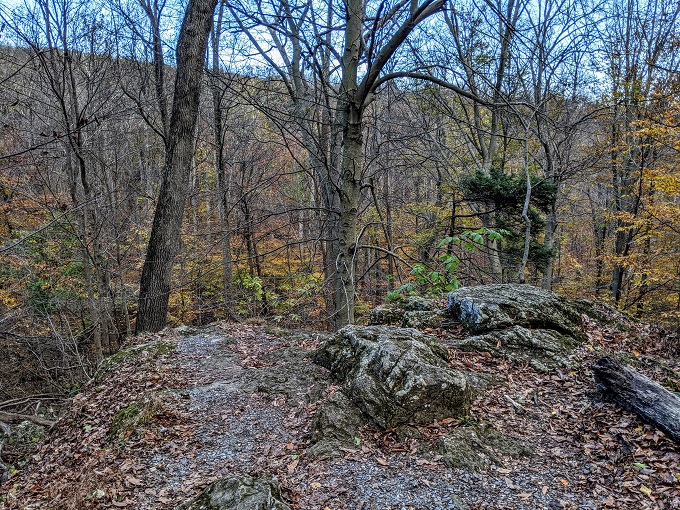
[(133, 481), (292, 466)]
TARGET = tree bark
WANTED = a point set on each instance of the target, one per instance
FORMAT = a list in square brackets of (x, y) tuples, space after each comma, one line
[(165, 241), (17, 418), (646, 398)]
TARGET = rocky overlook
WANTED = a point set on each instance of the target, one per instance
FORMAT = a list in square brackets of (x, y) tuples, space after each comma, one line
[(487, 401)]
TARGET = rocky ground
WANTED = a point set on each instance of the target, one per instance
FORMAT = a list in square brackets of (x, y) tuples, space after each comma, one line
[(183, 408)]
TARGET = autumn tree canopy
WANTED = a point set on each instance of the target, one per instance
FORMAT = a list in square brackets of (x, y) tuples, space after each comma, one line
[(342, 154)]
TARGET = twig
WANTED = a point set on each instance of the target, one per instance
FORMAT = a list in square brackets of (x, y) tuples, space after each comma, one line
[(15, 417)]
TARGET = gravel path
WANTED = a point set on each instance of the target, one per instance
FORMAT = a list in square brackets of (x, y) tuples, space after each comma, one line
[(240, 399)]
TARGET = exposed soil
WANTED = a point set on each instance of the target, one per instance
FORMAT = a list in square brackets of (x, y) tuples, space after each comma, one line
[(158, 427)]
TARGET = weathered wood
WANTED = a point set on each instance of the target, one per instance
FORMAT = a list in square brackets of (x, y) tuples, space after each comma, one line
[(641, 395), (16, 417)]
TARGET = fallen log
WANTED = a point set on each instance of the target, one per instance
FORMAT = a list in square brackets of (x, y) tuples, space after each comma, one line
[(16, 418), (641, 395)]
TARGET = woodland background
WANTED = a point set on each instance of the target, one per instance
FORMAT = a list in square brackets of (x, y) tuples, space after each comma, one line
[(504, 141)]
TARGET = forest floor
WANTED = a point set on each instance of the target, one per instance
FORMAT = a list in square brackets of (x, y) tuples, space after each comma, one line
[(158, 427)]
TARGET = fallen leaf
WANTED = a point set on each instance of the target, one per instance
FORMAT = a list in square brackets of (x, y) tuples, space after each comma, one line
[(292, 466), (382, 461), (133, 481), (646, 490)]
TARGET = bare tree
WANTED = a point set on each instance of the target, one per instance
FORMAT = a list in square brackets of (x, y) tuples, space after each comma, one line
[(164, 243)]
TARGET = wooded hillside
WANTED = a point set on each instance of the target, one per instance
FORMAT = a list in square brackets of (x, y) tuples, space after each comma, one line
[(344, 154)]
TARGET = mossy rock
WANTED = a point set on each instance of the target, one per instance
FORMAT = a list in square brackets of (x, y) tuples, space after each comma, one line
[(542, 349), (130, 418), (335, 425), (396, 376), (156, 348), (239, 492), (476, 448)]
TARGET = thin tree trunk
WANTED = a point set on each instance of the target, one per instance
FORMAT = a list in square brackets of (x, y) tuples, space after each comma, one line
[(223, 187), (525, 213)]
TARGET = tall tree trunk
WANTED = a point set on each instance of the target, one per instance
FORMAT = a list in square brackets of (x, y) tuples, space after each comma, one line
[(347, 232), (223, 185), (165, 241)]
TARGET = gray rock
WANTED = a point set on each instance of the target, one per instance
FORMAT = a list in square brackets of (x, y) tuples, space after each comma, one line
[(239, 492), (386, 315), (475, 448), (335, 425), (419, 304), (396, 376), (414, 312), (337, 418), (421, 319), (491, 307), (541, 348)]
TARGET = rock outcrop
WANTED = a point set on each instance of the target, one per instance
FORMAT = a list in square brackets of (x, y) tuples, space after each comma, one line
[(239, 492), (335, 425), (540, 348), (396, 376), (518, 322), (491, 307), (475, 448), (414, 312)]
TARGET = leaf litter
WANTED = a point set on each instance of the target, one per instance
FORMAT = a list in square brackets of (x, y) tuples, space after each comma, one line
[(211, 407)]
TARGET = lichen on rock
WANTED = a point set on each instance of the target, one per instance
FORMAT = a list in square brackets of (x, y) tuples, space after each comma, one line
[(239, 492), (491, 307), (396, 376), (475, 448)]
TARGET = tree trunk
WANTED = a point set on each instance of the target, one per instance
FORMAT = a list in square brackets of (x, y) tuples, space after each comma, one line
[(347, 233), (646, 398), (165, 241), (223, 184)]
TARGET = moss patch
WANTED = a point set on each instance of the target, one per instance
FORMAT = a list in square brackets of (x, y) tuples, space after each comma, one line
[(475, 448), (143, 350), (127, 420)]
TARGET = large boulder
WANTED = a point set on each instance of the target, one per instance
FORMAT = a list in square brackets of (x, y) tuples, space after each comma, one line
[(540, 348), (396, 376), (239, 492), (411, 312), (335, 426), (492, 307)]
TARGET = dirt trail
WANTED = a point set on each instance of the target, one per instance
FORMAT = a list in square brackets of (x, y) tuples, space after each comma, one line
[(240, 399)]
